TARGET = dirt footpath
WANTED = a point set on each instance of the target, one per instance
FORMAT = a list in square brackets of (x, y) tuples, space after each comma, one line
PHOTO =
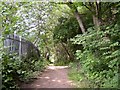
[(52, 77)]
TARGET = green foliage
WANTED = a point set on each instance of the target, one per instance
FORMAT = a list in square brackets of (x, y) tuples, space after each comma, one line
[(46, 24), (9, 18), (59, 62), (10, 67), (67, 29), (76, 74), (1, 49), (61, 55), (100, 55), (15, 70), (14, 17)]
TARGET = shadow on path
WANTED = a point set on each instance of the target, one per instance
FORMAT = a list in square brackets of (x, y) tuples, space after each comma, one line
[(52, 77)]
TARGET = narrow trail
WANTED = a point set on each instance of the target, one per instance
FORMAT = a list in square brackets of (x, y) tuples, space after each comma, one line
[(52, 77)]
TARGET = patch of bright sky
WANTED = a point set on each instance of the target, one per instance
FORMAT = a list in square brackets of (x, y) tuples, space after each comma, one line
[(30, 20)]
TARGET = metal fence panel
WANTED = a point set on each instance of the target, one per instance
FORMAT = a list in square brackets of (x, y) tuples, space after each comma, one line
[(16, 44)]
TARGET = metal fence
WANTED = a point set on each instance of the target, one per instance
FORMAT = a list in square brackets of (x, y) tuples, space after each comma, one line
[(16, 44)]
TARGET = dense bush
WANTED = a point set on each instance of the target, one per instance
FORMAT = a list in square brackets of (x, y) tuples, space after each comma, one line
[(100, 55), (15, 70), (66, 29)]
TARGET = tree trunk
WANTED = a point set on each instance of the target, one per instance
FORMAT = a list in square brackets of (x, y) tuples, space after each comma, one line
[(96, 21), (77, 15), (70, 57), (97, 16)]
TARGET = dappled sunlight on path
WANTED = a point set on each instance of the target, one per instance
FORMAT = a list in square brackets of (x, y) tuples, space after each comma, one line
[(52, 77)]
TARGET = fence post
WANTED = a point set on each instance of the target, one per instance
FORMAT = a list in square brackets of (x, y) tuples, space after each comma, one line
[(20, 46)]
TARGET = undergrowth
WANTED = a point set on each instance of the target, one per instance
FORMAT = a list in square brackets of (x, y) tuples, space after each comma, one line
[(98, 61), (16, 70)]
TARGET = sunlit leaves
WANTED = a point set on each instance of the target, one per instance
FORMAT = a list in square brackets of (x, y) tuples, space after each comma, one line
[(9, 18), (100, 55)]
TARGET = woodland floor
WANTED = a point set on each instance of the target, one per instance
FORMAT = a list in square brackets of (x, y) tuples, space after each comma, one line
[(52, 77)]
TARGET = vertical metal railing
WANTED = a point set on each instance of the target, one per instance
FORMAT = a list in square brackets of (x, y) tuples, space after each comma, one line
[(19, 45)]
